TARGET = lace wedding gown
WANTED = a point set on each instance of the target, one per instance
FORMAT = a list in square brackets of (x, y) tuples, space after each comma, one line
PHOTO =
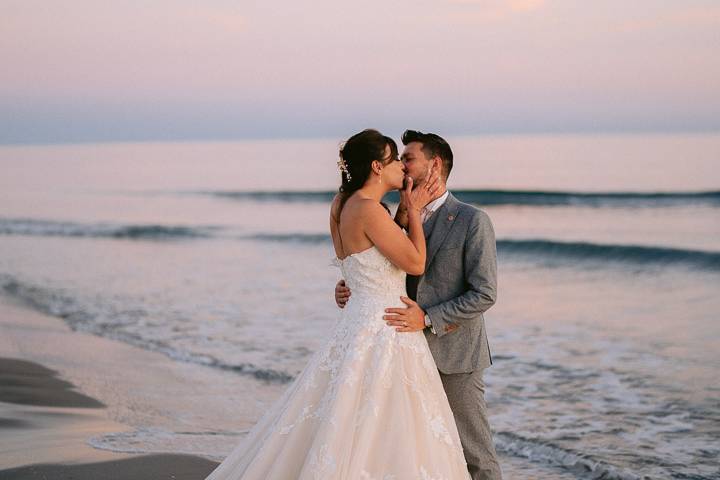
[(369, 405)]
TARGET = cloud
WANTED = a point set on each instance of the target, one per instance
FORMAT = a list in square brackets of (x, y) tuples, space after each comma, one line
[(227, 19), (694, 16), (490, 11), (504, 5), (525, 5)]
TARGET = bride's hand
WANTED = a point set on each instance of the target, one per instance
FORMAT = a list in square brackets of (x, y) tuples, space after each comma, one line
[(420, 196)]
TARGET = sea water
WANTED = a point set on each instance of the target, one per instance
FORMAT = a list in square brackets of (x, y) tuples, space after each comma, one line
[(605, 335)]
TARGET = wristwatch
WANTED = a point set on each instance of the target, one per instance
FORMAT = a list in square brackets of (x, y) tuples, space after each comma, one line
[(428, 323)]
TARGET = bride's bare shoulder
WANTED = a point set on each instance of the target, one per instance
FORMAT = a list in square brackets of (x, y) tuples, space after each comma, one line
[(356, 207), (368, 208), (335, 207)]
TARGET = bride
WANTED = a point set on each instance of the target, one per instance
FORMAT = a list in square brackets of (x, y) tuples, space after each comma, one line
[(370, 404)]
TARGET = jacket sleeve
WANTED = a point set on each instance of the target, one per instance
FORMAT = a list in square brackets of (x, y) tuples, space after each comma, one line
[(480, 266)]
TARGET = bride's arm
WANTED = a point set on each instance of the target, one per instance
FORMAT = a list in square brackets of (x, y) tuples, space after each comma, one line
[(406, 252)]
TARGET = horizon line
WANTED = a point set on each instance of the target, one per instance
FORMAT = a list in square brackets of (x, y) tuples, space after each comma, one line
[(310, 137)]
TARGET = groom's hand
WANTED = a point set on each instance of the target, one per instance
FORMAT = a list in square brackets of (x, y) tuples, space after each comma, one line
[(409, 319), (342, 294)]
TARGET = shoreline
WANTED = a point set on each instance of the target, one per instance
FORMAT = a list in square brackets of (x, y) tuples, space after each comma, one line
[(144, 467), (48, 419), (67, 396)]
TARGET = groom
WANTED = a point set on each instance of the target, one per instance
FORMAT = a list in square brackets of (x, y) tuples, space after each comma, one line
[(447, 302)]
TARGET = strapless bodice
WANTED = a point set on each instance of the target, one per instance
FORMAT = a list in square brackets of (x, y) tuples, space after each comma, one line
[(370, 273)]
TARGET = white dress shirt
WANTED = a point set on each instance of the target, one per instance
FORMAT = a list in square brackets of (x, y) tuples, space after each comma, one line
[(431, 207)]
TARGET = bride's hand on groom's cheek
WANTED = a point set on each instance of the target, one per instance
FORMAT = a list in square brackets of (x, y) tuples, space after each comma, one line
[(426, 190), (409, 319)]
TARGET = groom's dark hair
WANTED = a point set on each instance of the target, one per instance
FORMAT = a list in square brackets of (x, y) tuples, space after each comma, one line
[(433, 146)]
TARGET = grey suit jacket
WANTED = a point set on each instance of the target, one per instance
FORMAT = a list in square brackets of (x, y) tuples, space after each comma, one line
[(458, 286)]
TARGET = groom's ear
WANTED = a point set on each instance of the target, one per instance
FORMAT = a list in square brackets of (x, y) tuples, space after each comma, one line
[(437, 164)]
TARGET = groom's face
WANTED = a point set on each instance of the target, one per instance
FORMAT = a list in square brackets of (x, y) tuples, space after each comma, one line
[(417, 165)]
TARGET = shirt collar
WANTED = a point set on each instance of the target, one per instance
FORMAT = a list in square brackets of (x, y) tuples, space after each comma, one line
[(437, 203)]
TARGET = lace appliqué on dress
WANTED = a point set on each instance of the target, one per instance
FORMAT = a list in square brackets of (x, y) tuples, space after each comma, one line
[(367, 393)]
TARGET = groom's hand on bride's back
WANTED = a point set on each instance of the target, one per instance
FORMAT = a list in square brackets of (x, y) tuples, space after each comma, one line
[(342, 294), (408, 319)]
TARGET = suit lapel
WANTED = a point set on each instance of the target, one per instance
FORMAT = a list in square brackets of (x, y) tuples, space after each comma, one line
[(439, 225), (430, 224)]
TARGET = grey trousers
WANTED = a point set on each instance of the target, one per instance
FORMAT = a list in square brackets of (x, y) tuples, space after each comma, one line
[(466, 394)]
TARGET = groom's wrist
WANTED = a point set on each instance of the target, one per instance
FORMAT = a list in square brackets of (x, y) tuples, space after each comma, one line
[(428, 323)]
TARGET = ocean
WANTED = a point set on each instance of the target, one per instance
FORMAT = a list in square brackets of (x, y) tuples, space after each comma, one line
[(605, 335)]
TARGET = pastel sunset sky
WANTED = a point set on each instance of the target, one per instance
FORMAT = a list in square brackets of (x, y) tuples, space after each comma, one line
[(97, 70)]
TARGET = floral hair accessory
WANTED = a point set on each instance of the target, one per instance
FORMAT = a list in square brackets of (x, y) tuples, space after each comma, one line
[(343, 168)]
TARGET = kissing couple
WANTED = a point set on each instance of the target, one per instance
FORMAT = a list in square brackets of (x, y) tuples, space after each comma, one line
[(396, 392)]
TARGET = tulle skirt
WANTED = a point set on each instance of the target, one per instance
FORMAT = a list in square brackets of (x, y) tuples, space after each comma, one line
[(369, 405)]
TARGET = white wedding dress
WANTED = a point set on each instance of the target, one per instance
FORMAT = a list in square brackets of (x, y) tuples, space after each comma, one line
[(369, 405)]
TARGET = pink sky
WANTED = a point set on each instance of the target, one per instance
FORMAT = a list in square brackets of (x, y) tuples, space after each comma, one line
[(84, 70)]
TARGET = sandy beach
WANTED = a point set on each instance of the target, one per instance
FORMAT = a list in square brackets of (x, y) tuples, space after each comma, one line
[(46, 421), (63, 391)]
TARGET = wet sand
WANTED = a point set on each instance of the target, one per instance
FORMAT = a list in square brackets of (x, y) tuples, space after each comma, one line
[(67, 396), (145, 467), (29, 383), (43, 416)]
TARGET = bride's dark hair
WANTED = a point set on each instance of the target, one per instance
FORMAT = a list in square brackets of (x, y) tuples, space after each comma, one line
[(358, 153)]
